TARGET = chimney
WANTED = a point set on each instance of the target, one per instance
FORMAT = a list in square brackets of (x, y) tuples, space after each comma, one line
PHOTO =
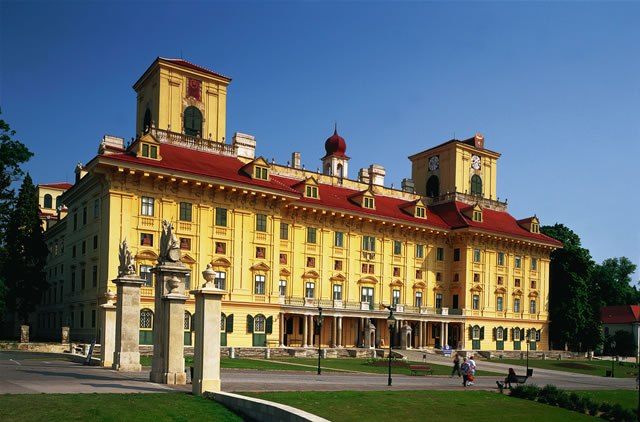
[(113, 141), (407, 185), (295, 160), (363, 176), (376, 175), (244, 145)]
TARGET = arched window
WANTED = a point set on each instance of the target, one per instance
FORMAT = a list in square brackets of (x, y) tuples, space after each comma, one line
[(433, 187), (476, 185), (223, 322), (192, 121), (259, 324), (146, 124), (146, 319), (187, 321), (327, 169), (476, 332), (340, 170), (58, 201), (48, 201)]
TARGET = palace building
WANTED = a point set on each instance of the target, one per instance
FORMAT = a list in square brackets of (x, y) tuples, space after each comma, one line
[(284, 241)]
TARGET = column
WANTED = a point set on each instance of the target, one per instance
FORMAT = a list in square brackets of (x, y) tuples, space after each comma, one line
[(463, 336), (425, 332), (108, 331), (168, 330), (340, 332), (446, 333), (282, 328), (305, 332), (127, 341), (206, 360), (441, 334), (334, 330)]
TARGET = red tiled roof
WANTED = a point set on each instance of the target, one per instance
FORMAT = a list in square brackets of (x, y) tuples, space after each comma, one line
[(64, 186), (620, 314), (185, 63), (47, 214)]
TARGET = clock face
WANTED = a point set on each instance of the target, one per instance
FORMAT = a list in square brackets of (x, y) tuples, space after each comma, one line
[(475, 162), (434, 163)]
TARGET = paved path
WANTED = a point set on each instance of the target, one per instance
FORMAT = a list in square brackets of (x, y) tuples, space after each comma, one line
[(28, 372)]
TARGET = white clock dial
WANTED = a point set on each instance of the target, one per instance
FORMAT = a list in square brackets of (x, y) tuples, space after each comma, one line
[(475, 162), (434, 163)]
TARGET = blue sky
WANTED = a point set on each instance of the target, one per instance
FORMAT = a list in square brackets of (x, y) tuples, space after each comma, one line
[(553, 87)]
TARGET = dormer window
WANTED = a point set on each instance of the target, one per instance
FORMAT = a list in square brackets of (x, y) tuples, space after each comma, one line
[(420, 212), (312, 192), (261, 173), (149, 151), (535, 228), (368, 203), (477, 216)]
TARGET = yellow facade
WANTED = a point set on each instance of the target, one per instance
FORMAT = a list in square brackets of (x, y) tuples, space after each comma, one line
[(351, 258)]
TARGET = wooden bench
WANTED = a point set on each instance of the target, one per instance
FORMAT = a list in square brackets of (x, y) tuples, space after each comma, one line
[(420, 368), (513, 379)]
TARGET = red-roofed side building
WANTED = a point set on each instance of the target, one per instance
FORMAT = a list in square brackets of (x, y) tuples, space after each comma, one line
[(49, 199), (621, 318)]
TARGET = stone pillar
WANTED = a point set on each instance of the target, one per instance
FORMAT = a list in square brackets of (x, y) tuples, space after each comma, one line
[(334, 331), (206, 362), (463, 336), (24, 334), (446, 333), (168, 330), (65, 335), (340, 332), (425, 337), (282, 328), (127, 352), (108, 331), (305, 331), (441, 335), (420, 334)]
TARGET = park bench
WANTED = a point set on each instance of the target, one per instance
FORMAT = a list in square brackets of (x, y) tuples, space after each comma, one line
[(513, 379), (420, 368)]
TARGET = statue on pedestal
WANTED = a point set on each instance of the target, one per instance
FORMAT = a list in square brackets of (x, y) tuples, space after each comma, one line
[(169, 244), (127, 265)]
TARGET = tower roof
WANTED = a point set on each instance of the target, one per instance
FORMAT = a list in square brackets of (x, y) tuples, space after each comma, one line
[(335, 145)]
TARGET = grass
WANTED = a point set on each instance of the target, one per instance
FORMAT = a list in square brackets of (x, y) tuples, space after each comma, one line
[(310, 365), (625, 398), (112, 407), (593, 367), (407, 406)]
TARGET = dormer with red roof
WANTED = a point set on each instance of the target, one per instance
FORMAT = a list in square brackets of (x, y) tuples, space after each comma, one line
[(308, 188), (257, 169), (335, 162), (415, 208), (177, 96), (531, 224), (366, 199), (473, 212)]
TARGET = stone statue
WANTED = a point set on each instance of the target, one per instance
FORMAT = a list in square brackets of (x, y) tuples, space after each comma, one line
[(127, 266), (169, 244)]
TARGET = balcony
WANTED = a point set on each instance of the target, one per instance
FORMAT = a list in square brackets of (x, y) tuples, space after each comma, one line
[(147, 223), (146, 291), (261, 237), (468, 199), (193, 142), (184, 227)]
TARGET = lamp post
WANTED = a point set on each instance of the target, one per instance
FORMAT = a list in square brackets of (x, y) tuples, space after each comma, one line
[(391, 320), (613, 346), (320, 318), (528, 340)]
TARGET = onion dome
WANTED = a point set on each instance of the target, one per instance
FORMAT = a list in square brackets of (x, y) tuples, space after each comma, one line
[(335, 145)]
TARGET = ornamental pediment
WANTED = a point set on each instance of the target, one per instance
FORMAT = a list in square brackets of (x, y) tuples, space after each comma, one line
[(338, 277), (187, 259), (500, 291), (396, 282), (221, 262), (284, 272), (310, 274), (517, 292), (260, 266), (419, 285), (476, 288), (368, 280)]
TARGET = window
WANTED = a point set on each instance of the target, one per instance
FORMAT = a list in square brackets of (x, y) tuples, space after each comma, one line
[(337, 265), (261, 222), (337, 292), (221, 217), (84, 247), (476, 332), (533, 284), (192, 121), (311, 262), (59, 201), (284, 231), (369, 243), (75, 221), (82, 279), (94, 276), (312, 191), (516, 305), (420, 213), (500, 281), (517, 282), (367, 295), (261, 173), (185, 211), (311, 235), (534, 264), (84, 215), (187, 281), (456, 277), (476, 255), (260, 252), (433, 187), (221, 247), (147, 206), (499, 304), (372, 269), (418, 299), (282, 287), (476, 277), (397, 247), (516, 334), (96, 208), (395, 297), (145, 150), (368, 202), (476, 185), (259, 324), (81, 318), (95, 242), (185, 243), (93, 318), (438, 300), (48, 201), (500, 259), (220, 280), (518, 261), (477, 216), (187, 321), (438, 276), (146, 239), (499, 334), (283, 258), (419, 274), (532, 306), (476, 301), (419, 251), (310, 288), (259, 285), (73, 251), (339, 239), (440, 254), (396, 271), (146, 318), (456, 254)]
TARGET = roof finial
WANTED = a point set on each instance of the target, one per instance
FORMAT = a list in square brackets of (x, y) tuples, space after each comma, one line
[(335, 128)]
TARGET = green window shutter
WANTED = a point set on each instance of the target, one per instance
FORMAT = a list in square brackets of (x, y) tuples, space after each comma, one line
[(522, 336), (481, 333), (249, 324), (228, 327), (505, 334), (269, 325), (471, 332), (495, 334)]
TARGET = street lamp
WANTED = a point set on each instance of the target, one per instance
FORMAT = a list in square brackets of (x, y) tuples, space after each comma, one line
[(320, 318), (528, 340), (613, 346), (391, 321)]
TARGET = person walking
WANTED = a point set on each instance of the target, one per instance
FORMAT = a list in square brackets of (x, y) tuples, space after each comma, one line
[(466, 371), (472, 365), (456, 365)]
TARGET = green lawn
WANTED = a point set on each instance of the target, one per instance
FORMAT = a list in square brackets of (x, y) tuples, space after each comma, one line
[(593, 367), (112, 407), (434, 406), (626, 398)]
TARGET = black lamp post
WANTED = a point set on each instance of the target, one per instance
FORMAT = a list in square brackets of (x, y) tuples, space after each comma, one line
[(528, 340), (613, 346), (391, 320), (320, 318)]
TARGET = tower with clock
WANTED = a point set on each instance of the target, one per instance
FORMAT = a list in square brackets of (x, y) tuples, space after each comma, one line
[(456, 166)]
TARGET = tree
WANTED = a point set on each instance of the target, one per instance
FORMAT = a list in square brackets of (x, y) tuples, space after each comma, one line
[(574, 307), (26, 253), (613, 278)]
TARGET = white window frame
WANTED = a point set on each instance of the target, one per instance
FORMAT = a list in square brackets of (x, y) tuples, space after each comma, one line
[(220, 280), (147, 206), (259, 285)]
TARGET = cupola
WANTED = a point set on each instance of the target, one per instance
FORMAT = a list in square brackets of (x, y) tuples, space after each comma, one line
[(334, 163)]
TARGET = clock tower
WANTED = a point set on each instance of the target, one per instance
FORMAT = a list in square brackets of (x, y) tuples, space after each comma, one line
[(456, 166)]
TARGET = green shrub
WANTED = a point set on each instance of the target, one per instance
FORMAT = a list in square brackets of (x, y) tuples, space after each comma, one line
[(605, 408), (564, 401), (549, 395), (593, 407)]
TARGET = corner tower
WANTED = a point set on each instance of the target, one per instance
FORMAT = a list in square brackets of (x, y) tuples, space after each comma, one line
[(456, 166), (181, 97)]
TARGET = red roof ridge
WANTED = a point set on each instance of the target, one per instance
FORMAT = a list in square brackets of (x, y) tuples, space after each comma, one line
[(193, 66), (62, 185)]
